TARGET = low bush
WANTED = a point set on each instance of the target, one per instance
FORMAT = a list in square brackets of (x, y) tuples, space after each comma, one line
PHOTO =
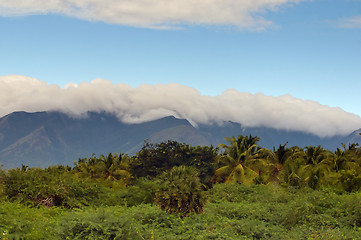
[(20, 222), (37, 187)]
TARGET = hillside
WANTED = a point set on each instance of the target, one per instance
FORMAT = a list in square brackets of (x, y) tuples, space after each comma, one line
[(49, 138)]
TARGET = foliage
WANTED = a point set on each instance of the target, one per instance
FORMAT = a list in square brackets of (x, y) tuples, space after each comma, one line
[(291, 193), (2, 182), (20, 222), (112, 167), (142, 191), (181, 191), (350, 180), (153, 159), (241, 160), (49, 187), (235, 211)]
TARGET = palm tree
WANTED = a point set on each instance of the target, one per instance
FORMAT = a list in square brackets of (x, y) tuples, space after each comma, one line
[(307, 166), (112, 167), (344, 159), (88, 167), (345, 165), (276, 160), (315, 155), (181, 191), (115, 167), (292, 172), (239, 160)]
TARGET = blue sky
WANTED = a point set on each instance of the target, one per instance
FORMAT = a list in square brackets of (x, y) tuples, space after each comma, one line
[(309, 49)]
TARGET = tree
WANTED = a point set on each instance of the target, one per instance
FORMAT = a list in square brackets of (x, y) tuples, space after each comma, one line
[(276, 160), (112, 167), (314, 155), (343, 159), (153, 159), (88, 167), (307, 167), (203, 158), (115, 167), (181, 191), (291, 173), (346, 167), (240, 159)]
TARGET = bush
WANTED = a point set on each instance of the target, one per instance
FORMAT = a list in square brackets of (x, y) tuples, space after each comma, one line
[(2, 183), (114, 223), (235, 192), (350, 180), (20, 222), (38, 187)]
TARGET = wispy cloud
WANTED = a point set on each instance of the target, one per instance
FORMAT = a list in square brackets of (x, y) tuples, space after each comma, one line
[(154, 13), (352, 22), (149, 102)]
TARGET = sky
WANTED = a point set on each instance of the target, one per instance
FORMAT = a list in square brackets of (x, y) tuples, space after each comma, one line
[(298, 62)]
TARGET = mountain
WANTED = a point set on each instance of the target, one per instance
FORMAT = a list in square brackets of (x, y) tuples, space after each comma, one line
[(354, 137), (49, 138)]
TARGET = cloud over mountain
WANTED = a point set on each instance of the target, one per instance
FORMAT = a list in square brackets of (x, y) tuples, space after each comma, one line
[(149, 102), (154, 13)]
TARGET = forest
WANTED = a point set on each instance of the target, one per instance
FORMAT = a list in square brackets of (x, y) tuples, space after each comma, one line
[(172, 190)]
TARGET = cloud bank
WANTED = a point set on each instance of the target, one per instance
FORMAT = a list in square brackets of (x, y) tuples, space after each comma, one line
[(150, 102), (153, 13)]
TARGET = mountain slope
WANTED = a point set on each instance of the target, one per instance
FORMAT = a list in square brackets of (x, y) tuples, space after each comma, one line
[(48, 138), (354, 137)]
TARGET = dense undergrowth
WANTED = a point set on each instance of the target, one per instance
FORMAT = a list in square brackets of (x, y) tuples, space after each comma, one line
[(175, 191), (234, 211)]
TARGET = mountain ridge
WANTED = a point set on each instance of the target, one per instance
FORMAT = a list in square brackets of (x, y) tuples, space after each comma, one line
[(41, 139)]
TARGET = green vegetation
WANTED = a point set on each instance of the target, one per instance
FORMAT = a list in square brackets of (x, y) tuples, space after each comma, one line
[(176, 191)]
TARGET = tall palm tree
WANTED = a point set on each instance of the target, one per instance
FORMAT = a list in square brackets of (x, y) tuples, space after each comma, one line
[(308, 166), (344, 159), (344, 165), (88, 167), (292, 172), (276, 160), (112, 167), (315, 155), (115, 167), (240, 160)]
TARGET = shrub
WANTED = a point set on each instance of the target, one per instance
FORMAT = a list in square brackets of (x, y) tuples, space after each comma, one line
[(38, 187), (114, 223), (20, 222), (350, 180)]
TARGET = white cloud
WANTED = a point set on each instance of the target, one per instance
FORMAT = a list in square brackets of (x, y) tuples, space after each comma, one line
[(149, 102), (352, 22), (153, 13)]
